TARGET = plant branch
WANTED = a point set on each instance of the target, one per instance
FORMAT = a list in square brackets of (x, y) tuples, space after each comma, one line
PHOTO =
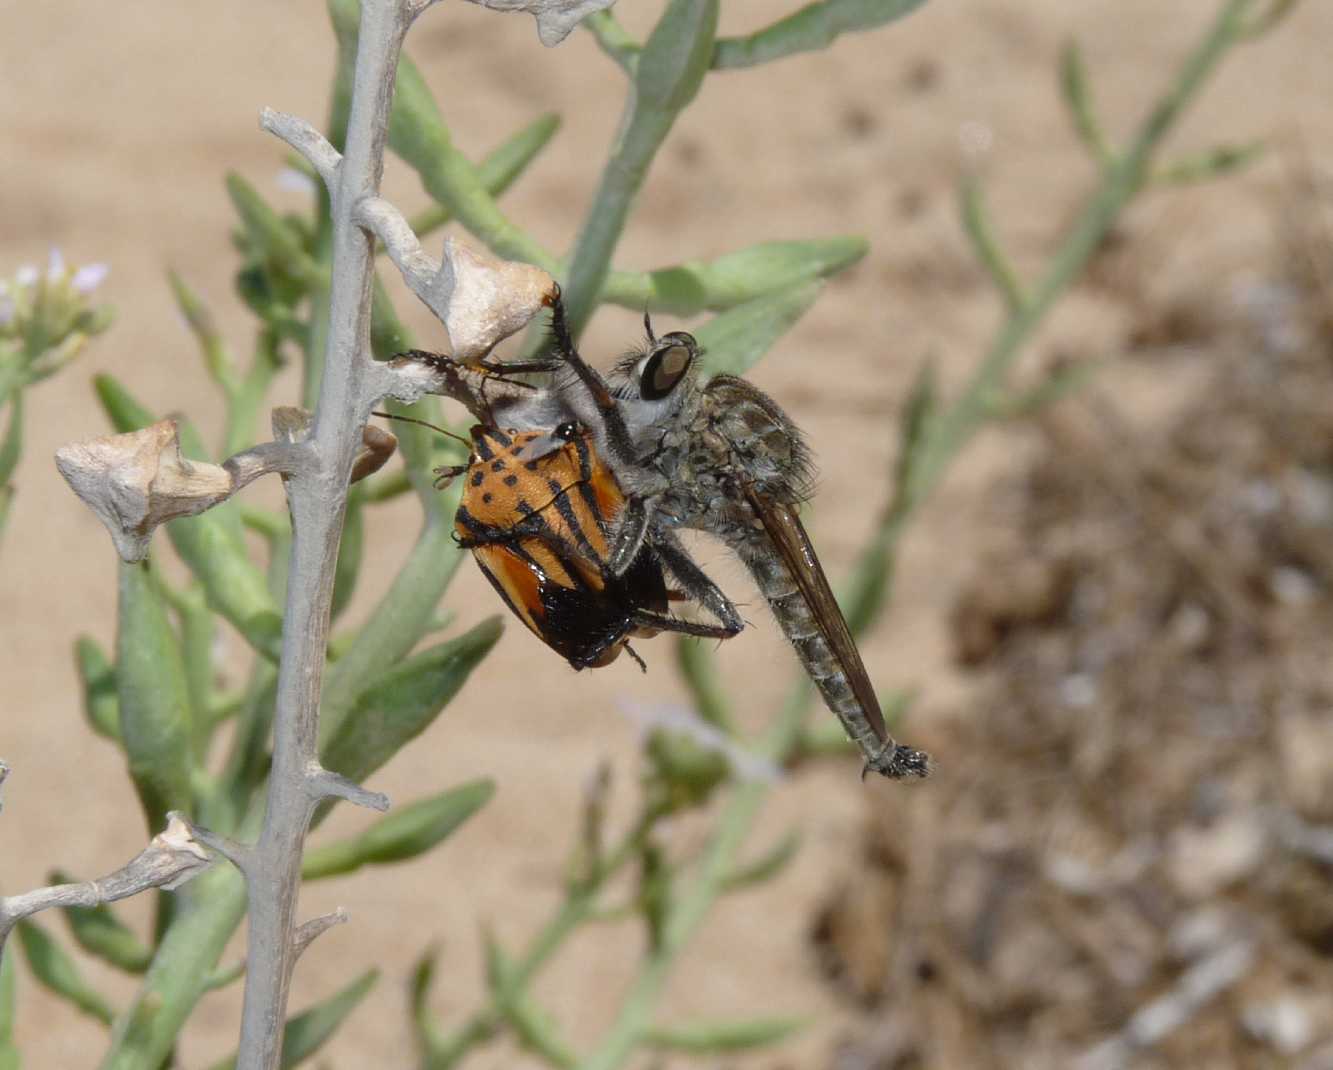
[(171, 858)]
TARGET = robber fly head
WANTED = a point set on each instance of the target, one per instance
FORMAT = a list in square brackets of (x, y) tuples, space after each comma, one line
[(657, 382)]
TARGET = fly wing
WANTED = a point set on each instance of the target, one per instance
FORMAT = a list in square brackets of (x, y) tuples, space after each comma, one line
[(787, 534)]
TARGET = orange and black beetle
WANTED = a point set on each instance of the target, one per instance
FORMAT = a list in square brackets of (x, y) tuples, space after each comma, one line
[(536, 510)]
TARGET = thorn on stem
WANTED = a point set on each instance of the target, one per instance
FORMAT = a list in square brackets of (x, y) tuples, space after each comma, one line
[(327, 784), (308, 931)]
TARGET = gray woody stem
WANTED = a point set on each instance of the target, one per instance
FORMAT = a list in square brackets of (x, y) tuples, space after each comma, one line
[(170, 859), (318, 499)]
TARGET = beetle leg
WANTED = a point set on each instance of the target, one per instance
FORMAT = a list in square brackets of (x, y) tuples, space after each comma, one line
[(447, 473)]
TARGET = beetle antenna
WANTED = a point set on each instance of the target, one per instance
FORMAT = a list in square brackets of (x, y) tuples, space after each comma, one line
[(424, 423)]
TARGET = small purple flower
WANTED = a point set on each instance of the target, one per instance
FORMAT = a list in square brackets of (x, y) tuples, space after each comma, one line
[(55, 270), (6, 310), (27, 275), (89, 277)]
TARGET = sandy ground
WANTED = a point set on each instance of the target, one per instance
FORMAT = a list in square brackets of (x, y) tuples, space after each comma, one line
[(117, 125)]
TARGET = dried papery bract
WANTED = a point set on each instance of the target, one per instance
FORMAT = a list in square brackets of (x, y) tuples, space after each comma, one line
[(480, 299), (136, 481)]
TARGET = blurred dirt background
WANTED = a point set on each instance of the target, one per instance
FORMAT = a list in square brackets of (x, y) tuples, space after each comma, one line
[(1116, 616)]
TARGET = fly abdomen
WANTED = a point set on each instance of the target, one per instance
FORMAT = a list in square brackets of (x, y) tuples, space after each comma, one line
[(801, 628)]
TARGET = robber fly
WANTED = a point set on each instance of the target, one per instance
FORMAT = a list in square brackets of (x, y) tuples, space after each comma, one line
[(720, 457), (536, 512)]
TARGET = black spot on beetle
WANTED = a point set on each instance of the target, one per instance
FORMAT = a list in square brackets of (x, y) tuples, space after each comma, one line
[(511, 481)]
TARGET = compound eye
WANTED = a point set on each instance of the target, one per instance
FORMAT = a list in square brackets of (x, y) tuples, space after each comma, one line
[(666, 366), (568, 430)]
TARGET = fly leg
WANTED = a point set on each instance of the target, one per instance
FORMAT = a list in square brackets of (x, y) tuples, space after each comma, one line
[(607, 413), (664, 622), (697, 585)]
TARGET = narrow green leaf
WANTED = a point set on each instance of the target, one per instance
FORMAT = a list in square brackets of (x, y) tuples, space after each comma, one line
[(12, 446), (405, 833), (9, 1054), (124, 412), (232, 583), (677, 55), (498, 171), (398, 705), (101, 702), (308, 1031), (533, 1028), (54, 969), (127, 414), (734, 278), (154, 697), (430, 1037), (733, 341), (99, 932), (721, 1038), (1078, 99), (1216, 162), (767, 865), (811, 29), (977, 226), (273, 235), (217, 358), (613, 39)]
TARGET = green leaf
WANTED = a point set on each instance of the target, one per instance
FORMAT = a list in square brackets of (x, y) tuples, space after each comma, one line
[(1214, 163), (405, 833), (276, 238), (12, 446), (307, 1032), (533, 1028), (811, 29), (430, 1037), (127, 414), (101, 702), (498, 171), (1078, 99), (733, 278), (676, 56), (217, 358), (155, 722), (733, 341), (720, 1038), (9, 1054), (396, 706), (99, 932), (232, 583), (54, 969)]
